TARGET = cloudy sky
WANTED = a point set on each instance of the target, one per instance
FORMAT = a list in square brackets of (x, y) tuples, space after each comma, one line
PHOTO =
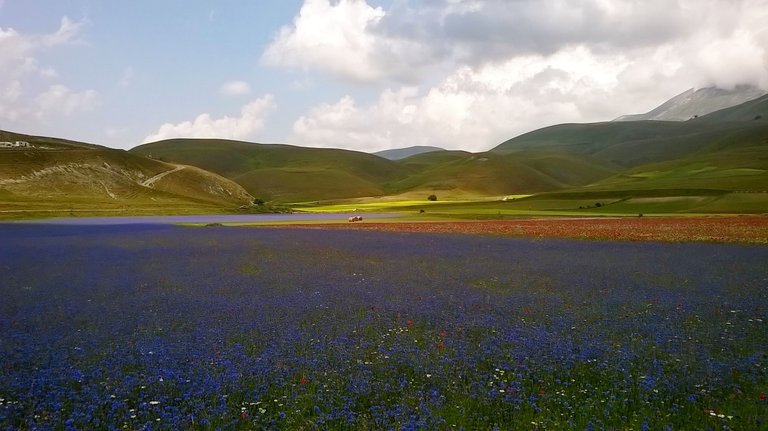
[(360, 74)]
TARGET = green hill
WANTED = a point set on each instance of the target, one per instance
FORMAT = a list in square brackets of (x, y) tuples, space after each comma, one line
[(754, 110), (283, 172), (712, 162), (293, 174), (500, 174), (722, 150), (53, 175)]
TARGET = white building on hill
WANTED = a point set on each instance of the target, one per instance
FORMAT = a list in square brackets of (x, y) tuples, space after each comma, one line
[(16, 144)]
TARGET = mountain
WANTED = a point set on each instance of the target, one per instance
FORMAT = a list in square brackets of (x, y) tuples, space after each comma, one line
[(725, 150), (402, 153), (41, 173), (694, 103)]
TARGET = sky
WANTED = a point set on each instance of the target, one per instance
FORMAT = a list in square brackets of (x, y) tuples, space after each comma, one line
[(364, 75)]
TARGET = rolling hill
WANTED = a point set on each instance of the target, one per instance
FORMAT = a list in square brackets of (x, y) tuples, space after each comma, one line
[(58, 175), (720, 151), (708, 162), (753, 110), (494, 174), (282, 173), (286, 173), (714, 163), (634, 143), (733, 143)]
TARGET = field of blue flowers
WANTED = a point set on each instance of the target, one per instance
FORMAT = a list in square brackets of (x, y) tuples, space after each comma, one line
[(152, 327)]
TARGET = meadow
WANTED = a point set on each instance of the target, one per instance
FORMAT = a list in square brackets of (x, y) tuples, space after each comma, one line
[(167, 327)]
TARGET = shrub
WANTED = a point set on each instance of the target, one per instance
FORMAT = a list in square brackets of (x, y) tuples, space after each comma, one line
[(432, 198)]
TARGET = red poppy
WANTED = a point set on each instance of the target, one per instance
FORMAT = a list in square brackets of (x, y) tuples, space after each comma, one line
[(409, 323), (244, 415), (541, 391), (440, 345), (443, 334), (304, 380), (762, 396)]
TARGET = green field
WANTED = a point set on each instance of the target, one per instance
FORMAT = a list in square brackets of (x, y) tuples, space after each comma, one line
[(618, 203)]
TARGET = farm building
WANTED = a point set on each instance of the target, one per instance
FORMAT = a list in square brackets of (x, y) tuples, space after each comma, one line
[(15, 144)]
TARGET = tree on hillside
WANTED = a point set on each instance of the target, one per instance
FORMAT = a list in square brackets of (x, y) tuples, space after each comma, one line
[(432, 198)]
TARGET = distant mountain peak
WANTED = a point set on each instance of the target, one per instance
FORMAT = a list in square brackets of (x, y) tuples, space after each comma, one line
[(694, 103), (402, 153)]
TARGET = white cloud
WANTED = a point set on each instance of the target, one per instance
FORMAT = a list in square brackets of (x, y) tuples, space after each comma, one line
[(354, 40), (250, 122), (478, 108), (338, 38), (29, 92), (69, 32), (9, 96), (494, 95), (471, 109), (59, 100), (236, 88)]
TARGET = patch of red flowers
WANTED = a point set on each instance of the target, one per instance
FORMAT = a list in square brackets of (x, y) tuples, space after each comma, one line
[(741, 229)]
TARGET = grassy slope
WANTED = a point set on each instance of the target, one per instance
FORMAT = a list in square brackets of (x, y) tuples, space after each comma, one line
[(283, 172), (502, 174), (749, 111), (725, 150), (70, 176), (631, 144), (714, 164)]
